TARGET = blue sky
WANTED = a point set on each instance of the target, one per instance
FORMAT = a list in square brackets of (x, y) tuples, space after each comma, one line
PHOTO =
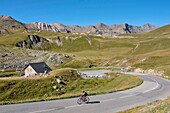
[(88, 12)]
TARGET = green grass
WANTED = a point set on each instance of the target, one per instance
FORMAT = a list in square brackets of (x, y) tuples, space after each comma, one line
[(34, 89), (160, 32), (153, 45), (9, 74), (16, 90), (116, 83), (162, 106), (109, 52), (12, 39), (154, 62), (88, 62)]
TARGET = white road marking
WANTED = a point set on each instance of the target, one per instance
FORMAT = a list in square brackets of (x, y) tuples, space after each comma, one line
[(157, 85)]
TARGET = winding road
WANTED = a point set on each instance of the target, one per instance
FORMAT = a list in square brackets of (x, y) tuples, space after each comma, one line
[(153, 89)]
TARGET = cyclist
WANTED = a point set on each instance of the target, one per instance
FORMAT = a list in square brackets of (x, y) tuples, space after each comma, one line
[(84, 94)]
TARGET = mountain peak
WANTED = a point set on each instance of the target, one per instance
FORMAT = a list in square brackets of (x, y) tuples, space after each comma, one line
[(58, 24), (5, 17), (149, 25), (8, 24), (101, 24), (2, 17)]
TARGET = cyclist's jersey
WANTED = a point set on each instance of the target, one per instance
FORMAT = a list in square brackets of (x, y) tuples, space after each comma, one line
[(84, 94)]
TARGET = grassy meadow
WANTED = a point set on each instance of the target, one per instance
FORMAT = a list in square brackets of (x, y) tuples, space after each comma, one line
[(17, 90)]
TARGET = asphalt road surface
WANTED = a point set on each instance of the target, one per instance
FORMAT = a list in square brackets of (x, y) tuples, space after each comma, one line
[(152, 89)]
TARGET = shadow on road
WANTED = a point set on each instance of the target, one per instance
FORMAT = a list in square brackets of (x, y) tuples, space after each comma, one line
[(93, 102)]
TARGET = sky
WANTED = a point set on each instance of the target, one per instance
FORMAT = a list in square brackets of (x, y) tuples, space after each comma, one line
[(88, 12)]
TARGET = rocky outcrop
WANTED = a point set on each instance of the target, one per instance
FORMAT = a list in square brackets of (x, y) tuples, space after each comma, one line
[(88, 40), (5, 54), (59, 42), (150, 71), (56, 27), (60, 27), (32, 41)]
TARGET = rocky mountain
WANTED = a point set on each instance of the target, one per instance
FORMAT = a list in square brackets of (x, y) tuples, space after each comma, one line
[(99, 28), (8, 24)]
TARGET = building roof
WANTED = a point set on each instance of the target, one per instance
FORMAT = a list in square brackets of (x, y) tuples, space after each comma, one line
[(40, 67)]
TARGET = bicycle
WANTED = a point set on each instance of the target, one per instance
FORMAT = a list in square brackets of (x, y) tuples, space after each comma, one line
[(83, 100)]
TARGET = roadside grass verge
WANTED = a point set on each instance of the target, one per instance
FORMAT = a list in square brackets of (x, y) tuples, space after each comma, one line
[(39, 89), (158, 63), (161, 106)]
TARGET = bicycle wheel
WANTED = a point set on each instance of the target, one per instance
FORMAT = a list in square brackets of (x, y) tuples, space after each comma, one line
[(79, 101), (87, 99)]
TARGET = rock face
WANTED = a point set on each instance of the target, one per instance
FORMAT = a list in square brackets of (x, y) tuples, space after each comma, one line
[(32, 41), (56, 27)]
